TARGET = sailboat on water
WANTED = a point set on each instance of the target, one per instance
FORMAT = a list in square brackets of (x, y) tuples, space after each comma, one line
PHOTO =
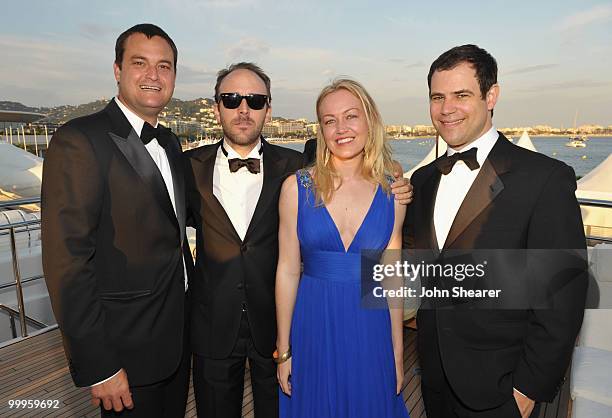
[(576, 140)]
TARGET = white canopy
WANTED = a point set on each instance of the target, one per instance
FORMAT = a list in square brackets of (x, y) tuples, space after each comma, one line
[(20, 172), (525, 142), (597, 184), (429, 157)]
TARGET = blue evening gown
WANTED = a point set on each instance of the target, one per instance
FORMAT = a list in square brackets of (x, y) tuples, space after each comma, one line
[(342, 363)]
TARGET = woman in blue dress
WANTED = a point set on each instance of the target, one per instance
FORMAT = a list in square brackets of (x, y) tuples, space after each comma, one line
[(338, 359)]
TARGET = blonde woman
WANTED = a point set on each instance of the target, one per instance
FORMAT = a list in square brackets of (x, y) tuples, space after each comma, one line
[(336, 358)]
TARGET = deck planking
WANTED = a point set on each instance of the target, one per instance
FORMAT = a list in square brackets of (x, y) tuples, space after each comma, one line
[(36, 368)]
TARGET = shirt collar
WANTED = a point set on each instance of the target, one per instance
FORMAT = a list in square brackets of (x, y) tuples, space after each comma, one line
[(231, 153), (484, 144), (136, 121)]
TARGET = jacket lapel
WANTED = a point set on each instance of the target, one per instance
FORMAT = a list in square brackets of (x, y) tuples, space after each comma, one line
[(274, 173), (203, 173), (484, 190), (134, 151), (428, 199), (178, 181)]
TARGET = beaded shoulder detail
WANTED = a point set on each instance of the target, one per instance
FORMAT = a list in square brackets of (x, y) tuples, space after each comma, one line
[(304, 178)]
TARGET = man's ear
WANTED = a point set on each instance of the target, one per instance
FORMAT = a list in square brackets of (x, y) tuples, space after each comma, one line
[(492, 96), (269, 113), (216, 110), (117, 71)]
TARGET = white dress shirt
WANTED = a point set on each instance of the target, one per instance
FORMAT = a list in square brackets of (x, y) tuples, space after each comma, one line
[(454, 186), (158, 154), (237, 192)]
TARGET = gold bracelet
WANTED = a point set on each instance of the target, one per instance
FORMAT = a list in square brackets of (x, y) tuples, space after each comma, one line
[(283, 357)]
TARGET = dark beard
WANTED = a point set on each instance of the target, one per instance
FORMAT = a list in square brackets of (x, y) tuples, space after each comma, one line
[(243, 141)]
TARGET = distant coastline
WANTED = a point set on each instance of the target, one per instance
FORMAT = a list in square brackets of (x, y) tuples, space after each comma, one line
[(194, 120), (410, 138)]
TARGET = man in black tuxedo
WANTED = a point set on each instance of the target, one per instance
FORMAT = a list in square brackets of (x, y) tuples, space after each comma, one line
[(488, 193), (113, 233), (233, 199)]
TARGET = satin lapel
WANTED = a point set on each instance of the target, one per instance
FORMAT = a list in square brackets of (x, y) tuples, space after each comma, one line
[(274, 173), (173, 153), (204, 172), (428, 200), (483, 191), (139, 158)]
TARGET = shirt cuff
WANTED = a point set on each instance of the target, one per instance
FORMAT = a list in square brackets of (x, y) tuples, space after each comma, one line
[(518, 391), (108, 378)]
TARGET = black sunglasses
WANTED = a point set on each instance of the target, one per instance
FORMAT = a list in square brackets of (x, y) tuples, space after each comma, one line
[(233, 100)]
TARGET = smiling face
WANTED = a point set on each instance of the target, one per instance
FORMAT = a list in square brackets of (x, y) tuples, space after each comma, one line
[(458, 111), (146, 76), (242, 126), (343, 124)]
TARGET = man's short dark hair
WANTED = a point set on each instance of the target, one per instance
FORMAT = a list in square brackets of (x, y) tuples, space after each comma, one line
[(243, 66), (483, 63), (147, 29)]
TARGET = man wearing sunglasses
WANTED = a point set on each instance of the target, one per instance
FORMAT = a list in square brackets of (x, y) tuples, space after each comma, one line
[(232, 193)]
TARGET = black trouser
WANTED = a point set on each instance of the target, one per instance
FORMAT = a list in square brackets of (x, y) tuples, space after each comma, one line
[(219, 383), (444, 403), (165, 399)]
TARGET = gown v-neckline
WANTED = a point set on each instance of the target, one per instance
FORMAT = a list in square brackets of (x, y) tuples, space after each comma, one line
[(346, 250)]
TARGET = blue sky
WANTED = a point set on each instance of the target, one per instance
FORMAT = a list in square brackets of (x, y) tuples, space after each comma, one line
[(554, 57)]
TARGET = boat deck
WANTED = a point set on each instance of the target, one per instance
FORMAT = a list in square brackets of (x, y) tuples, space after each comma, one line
[(36, 368)]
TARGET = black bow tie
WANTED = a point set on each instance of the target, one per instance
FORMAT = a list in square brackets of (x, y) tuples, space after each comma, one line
[(252, 164), (149, 133), (445, 164)]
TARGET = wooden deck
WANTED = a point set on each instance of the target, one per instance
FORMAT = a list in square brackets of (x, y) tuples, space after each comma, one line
[(36, 368)]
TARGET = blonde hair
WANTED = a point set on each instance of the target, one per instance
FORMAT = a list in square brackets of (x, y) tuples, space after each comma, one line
[(377, 160)]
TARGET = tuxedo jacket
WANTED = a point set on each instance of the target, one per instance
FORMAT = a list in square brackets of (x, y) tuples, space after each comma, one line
[(310, 151), (230, 271), (519, 200), (113, 250)]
